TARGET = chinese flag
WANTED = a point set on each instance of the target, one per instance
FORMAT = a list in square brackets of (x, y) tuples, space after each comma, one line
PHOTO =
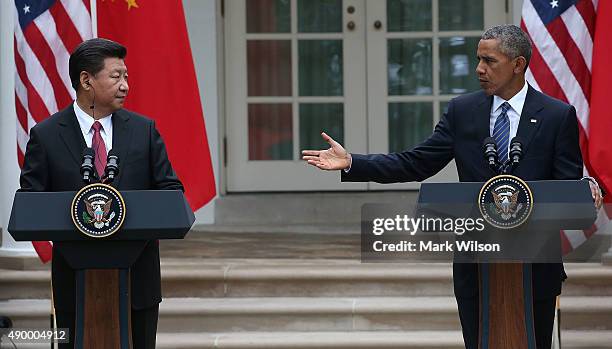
[(600, 122), (163, 83)]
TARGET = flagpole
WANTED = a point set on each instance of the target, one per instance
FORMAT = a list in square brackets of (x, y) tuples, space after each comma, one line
[(52, 318), (556, 344), (94, 18)]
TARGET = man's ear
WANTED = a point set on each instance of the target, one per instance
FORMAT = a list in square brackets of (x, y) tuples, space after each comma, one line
[(85, 78), (520, 66)]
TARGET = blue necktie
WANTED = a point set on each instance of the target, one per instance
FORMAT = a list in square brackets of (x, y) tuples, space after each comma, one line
[(501, 134)]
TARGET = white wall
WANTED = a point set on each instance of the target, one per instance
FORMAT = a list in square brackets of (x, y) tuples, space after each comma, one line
[(201, 18), (9, 169), (516, 7)]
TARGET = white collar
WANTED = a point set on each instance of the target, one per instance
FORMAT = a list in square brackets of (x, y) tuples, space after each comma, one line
[(86, 121), (516, 102)]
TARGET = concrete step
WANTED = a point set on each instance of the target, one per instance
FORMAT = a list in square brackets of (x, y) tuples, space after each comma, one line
[(291, 279), (309, 314), (25, 284), (205, 278), (343, 340), (319, 314), (337, 278), (349, 314), (306, 208), (359, 339)]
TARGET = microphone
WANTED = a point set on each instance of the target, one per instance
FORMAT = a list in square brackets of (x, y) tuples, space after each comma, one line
[(112, 166), (516, 152), (87, 167), (490, 152)]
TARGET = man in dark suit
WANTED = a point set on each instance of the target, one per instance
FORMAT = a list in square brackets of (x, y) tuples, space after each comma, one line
[(52, 163), (507, 106)]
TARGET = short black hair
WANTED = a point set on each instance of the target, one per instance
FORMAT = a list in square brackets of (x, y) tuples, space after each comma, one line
[(89, 56), (513, 41)]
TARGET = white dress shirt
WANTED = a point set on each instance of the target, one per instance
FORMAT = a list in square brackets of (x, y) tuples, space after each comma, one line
[(86, 121), (514, 113)]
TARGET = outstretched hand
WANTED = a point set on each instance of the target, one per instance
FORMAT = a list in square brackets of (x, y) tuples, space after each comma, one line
[(334, 158)]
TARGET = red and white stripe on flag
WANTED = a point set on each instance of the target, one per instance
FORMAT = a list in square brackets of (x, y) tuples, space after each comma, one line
[(46, 31), (562, 33)]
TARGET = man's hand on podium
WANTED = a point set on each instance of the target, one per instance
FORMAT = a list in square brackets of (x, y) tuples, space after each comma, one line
[(597, 196), (334, 158), (596, 191)]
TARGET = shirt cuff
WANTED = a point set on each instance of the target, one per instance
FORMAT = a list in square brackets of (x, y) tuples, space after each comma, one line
[(346, 170), (594, 181)]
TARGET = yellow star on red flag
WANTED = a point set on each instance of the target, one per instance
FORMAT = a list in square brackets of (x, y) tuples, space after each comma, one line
[(131, 3)]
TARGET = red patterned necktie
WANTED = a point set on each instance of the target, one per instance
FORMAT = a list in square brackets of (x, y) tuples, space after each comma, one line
[(99, 149)]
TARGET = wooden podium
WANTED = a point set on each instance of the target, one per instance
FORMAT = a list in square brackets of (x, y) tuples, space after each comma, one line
[(505, 284), (101, 265)]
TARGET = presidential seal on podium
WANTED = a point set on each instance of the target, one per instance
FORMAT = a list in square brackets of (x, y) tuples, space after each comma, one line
[(98, 210), (505, 201)]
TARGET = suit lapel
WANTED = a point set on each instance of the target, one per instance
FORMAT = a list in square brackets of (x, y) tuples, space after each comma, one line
[(71, 134), (122, 134), (530, 120)]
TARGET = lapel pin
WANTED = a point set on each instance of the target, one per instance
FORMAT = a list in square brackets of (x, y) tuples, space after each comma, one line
[(533, 121)]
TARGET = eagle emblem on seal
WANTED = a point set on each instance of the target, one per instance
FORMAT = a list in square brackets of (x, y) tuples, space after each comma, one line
[(506, 202), (98, 211)]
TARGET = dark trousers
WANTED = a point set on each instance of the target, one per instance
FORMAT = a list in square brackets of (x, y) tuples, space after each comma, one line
[(543, 313), (144, 327)]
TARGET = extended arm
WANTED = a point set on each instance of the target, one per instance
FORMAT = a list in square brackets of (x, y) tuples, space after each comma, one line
[(417, 164)]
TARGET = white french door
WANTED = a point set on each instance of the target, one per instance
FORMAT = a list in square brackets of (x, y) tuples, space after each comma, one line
[(420, 54), (374, 74), (293, 69)]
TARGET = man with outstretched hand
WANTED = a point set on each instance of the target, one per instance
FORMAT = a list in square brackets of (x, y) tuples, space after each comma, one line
[(506, 106)]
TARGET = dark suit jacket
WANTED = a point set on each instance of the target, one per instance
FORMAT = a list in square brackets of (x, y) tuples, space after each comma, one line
[(52, 163), (551, 151)]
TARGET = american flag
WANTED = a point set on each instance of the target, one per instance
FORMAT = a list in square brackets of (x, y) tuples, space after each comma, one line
[(46, 31), (563, 33)]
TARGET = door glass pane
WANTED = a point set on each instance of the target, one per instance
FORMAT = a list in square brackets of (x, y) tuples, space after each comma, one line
[(318, 117), (410, 67), (268, 16), (270, 132), (461, 14), (408, 15), (269, 67), (409, 124), (320, 67), (457, 65), (319, 16)]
